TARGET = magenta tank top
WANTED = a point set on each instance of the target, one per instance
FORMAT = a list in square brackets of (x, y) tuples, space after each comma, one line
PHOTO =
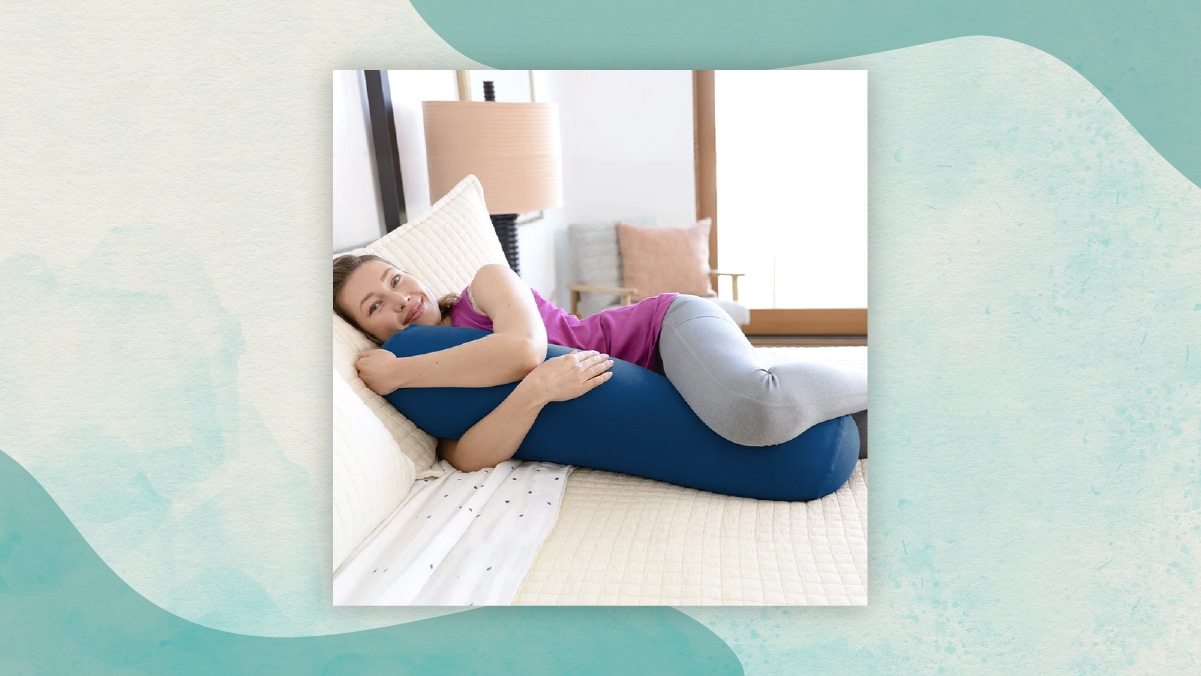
[(630, 332)]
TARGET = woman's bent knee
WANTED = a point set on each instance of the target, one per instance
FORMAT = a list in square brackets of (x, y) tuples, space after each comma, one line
[(686, 307), (752, 423)]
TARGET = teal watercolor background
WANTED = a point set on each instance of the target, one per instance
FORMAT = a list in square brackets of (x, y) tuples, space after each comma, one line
[(1035, 505), (1141, 55), (1035, 484), (76, 616)]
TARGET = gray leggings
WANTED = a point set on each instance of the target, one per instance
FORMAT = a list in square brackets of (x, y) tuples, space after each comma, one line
[(713, 366)]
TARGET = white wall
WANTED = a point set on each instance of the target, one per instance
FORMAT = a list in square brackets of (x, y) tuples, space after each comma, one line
[(357, 210), (409, 88), (627, 151), (627, 143)]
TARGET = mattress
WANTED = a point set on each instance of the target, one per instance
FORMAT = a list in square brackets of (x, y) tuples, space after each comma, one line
[(623, 540)]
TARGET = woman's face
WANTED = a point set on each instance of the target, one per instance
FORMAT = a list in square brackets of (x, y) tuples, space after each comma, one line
[(384, 300)]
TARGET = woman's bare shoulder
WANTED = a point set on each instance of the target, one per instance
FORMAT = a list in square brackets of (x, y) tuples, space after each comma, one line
[(495, 285), (492, 272)]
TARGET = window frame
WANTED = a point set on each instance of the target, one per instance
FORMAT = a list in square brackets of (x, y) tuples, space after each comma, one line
[(844, 322)]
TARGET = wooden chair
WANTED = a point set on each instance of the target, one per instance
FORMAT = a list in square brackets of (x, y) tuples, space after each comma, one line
[(596, 273)]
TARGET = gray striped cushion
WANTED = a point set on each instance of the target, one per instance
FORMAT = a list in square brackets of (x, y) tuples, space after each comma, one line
[(596, 259)]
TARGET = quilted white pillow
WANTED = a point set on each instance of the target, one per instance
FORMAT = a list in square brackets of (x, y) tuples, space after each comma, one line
[(370, 473), (444, 249)]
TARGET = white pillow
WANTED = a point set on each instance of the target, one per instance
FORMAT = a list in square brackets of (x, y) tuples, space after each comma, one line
[(371, 476), (449, 244), (444, 248)]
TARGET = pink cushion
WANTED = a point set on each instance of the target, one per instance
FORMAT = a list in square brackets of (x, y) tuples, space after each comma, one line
[(657, 260)]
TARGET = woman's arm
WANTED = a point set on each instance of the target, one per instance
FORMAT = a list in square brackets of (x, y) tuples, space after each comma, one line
[(496, 437), (516, 346)]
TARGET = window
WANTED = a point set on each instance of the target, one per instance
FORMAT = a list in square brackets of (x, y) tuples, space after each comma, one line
[(782, 169)]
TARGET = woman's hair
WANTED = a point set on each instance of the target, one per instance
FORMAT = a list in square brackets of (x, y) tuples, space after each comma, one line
[(346, 264)]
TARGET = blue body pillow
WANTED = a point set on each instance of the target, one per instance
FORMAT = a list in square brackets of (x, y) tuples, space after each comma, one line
[(636, 423)]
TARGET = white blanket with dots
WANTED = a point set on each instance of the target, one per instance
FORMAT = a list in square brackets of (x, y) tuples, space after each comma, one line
[(462, 539)]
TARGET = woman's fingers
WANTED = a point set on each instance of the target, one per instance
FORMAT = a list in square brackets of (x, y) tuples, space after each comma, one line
[(599, 366), (577, 356), (596, 381), (593, 359), (583, 370)]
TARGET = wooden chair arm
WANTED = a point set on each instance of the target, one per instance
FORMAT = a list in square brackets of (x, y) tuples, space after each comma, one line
[(592, 288), (734, 276), (624, 292)]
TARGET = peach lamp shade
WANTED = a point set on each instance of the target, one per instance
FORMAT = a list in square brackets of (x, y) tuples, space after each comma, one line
[(512, 148)]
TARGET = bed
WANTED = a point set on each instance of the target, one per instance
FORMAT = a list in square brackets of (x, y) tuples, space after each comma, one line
[(408, 529)]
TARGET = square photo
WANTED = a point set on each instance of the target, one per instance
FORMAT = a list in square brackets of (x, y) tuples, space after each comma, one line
[(600, 338)]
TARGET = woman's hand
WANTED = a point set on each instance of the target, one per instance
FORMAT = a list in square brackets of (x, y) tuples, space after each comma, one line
[(380, 370), (568, 376), (497, 436)]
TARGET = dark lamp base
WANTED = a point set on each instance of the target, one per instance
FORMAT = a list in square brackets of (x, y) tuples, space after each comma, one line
[(506, 231)]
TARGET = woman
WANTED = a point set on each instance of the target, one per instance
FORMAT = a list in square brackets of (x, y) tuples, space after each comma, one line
[(688, 339)]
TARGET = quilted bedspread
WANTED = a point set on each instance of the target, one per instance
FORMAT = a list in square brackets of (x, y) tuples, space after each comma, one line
[(623, 540)]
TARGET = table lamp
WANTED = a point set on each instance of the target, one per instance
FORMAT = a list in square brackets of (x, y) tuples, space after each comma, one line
[(512, 148)]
